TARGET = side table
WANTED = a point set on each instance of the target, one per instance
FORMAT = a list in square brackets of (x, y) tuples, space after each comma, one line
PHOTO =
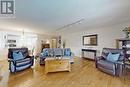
[(120, 70), (127, 70)]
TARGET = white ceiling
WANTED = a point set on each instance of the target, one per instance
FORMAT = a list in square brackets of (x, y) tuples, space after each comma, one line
[(46, 16)]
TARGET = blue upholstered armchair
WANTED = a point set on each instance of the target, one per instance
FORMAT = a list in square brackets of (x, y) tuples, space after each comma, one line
[(56, 52), (19, 59)]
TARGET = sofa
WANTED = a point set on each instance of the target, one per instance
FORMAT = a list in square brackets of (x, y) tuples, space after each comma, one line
[(56, 52), (110, 67), (19, 59)]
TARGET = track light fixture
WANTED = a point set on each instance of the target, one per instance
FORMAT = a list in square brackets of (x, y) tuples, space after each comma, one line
[(71, 24)]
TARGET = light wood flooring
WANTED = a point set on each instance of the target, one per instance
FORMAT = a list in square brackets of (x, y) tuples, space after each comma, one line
[(83, 74)]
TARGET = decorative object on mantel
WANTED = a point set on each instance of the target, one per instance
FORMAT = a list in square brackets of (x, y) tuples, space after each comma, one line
[(127, 32), (59, 42), (64, 44)]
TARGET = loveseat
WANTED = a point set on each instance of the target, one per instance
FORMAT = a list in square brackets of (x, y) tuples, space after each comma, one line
[(56, 52), (19, 59)]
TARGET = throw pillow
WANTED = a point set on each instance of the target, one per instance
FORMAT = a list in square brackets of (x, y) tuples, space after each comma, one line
[(113, 57), (45, 52), (67, 52), (17, 55)]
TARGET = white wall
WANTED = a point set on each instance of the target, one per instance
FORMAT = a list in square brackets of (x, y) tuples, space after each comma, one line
[(44, 38), (106, 38), (4, 50)]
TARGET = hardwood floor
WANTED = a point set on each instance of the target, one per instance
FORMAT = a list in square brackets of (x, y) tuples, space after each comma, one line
[(83, 74)]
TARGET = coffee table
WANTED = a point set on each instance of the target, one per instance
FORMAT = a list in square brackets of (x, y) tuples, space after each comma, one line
[(56, 65)]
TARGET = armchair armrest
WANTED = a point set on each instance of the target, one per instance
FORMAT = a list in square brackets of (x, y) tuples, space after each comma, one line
[(97, 59), (119, 67), (72, 54), (119, 62), (30, 56), (42, 56), (11, 60)]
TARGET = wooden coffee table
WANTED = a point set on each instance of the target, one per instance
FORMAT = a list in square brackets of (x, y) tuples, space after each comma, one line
[(56, 65)]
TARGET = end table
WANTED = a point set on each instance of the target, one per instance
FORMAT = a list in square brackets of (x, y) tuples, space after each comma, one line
[(127, 70)]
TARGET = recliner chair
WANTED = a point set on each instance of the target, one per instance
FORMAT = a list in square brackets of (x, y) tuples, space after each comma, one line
[(18, 64), (112, 68)]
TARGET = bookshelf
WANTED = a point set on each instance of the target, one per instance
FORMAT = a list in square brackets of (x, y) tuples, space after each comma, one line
[(124, 43)]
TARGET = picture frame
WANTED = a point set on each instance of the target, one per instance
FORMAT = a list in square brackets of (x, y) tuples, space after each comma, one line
[(90, 40)]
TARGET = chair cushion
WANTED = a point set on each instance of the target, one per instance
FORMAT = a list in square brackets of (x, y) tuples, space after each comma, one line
[(113, 57), (23, 67), (106, 64), (17, 55), (23, 62), (51, 52), (19, 68), (58, 52), (45, 52)]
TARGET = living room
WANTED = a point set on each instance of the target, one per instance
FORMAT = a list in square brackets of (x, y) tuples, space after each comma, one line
[(53, 44)]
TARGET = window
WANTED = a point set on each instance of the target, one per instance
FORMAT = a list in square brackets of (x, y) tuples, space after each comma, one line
[(9, 40)]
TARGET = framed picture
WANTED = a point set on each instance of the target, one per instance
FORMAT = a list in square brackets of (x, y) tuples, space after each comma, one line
[(90, 40), (12, 45), (11, 41)]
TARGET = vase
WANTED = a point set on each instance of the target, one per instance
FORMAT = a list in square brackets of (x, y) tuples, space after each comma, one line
[(127, 35)]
